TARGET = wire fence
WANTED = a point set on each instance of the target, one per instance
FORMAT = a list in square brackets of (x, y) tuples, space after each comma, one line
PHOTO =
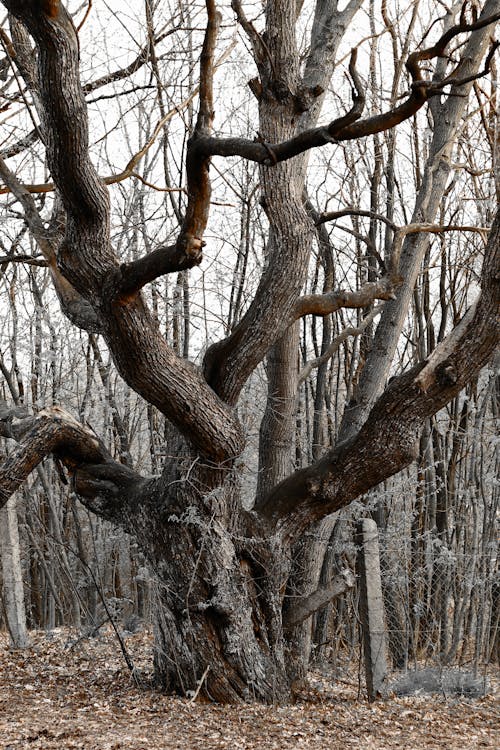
[(440, 593), (441, 609)]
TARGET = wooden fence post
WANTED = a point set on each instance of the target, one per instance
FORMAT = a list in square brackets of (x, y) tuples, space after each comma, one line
[(371, 608)]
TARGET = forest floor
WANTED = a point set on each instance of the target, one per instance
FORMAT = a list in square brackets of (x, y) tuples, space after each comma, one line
[(58, 695)]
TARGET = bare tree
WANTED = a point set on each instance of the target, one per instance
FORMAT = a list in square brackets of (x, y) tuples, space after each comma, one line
[(223, 572)]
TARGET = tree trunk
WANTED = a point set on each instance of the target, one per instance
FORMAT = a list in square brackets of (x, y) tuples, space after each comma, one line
[(277, 430), (217, 591), (13, 591)]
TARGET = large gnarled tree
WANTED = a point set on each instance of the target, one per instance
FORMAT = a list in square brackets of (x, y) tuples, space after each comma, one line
[(223, 572)]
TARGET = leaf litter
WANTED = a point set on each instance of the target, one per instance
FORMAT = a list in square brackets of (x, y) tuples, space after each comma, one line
[(62, 694)]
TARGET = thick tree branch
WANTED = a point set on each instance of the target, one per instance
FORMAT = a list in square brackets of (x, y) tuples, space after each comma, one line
[(350, 127), (54, 431), (334, 215), (86, 258), (29, 260), (438, 364), (327, 30), (387, 441), (255, 38), (270, 154), (384, 288), (164, 259), (20, 145), (190, 239), (324, 304)]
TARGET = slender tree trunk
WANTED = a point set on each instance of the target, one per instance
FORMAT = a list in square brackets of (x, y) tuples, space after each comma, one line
[(13, 590), (277, 430)]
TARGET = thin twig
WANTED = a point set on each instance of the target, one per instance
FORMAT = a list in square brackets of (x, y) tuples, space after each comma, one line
[(200, 683)]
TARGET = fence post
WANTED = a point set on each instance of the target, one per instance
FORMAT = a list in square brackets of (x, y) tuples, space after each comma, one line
[(371, 608)]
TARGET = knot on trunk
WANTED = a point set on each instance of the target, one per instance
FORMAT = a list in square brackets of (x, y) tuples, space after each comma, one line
[(446, 373)]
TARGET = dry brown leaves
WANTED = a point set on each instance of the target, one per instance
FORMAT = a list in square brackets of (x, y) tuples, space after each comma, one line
[(55, 696)]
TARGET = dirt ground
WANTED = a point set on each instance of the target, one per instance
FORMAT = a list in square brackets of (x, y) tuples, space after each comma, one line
[(60, 695)]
